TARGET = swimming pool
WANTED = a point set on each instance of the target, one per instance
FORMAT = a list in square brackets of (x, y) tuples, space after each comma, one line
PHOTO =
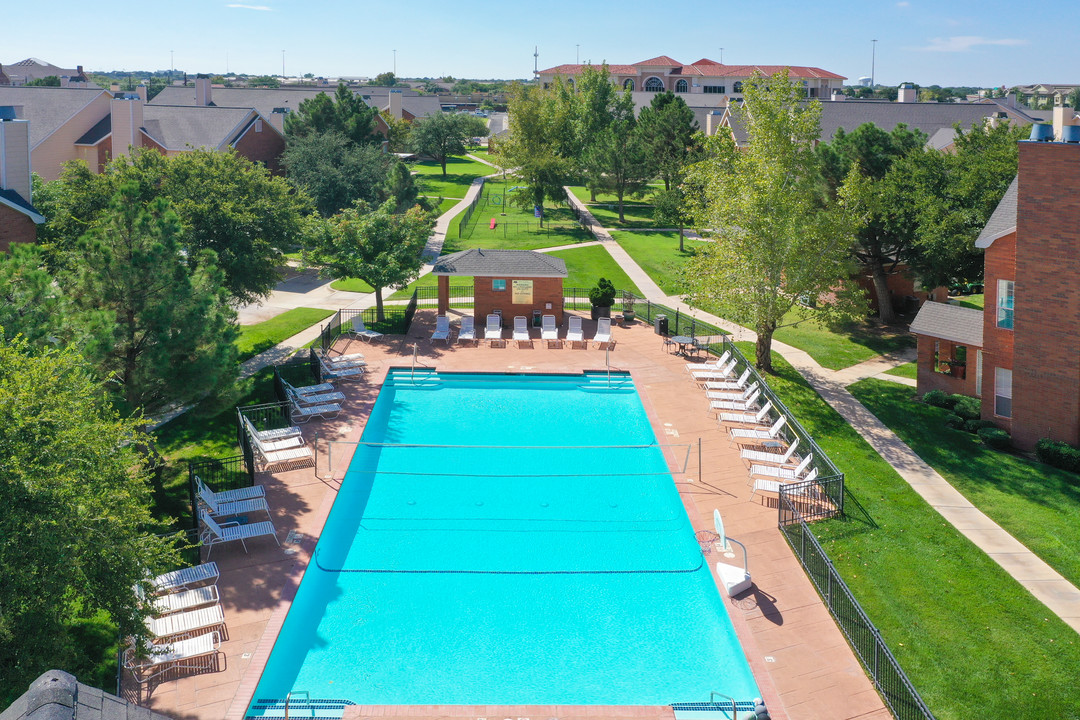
[(508, 539)]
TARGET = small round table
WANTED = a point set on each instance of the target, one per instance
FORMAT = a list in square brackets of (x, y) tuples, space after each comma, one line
[(682, 341)]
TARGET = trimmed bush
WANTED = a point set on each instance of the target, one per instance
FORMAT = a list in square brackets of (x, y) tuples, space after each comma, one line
[(995, 438), (955, 421), (974, 426), (937, 398), (1058, 454), (966, 407)]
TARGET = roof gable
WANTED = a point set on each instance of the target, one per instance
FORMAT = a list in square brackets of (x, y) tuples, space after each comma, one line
[(1003, 220), (179, 127), (660, 60), (17, 202), (48, 108), (949, 322), (479, 262)]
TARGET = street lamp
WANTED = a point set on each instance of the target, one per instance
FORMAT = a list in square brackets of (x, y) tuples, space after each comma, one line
[(577, 56), (395, 63), (873, 61)]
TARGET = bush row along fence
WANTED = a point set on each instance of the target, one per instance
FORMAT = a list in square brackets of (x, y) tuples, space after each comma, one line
[(398, 319)]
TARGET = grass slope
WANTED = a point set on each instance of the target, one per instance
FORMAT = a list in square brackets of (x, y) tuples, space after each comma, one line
[(841, 347), (265, 335), (907, 370), (588, 264), (460, 172), (658, 255)]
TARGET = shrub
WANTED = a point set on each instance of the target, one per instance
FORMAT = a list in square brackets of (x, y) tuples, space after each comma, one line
[(603, 295), (955, 421), (937, 398), (966, 407), (995, 438), (974, 426), (1058, 454)]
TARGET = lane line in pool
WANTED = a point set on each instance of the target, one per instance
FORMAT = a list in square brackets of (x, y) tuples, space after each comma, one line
[(392, 571)]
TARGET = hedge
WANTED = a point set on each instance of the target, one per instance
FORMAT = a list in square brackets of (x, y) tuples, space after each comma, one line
[(996, 438), (1058, 454)]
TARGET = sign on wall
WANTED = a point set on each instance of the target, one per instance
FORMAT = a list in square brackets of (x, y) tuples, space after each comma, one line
[(522, 292)]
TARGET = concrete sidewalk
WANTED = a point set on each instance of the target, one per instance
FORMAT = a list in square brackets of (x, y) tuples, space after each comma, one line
[(1047, 585)]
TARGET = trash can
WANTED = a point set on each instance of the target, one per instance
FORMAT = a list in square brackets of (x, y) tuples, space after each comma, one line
[(536, 318), (660, 324)]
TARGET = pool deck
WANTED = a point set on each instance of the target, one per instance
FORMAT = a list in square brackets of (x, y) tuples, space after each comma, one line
[(804, 668)]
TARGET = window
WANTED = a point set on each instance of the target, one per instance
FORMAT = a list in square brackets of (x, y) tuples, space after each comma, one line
[(654, 84), (681, 86), (978, 374), (719, 89), (1005, 290), (498, 285), (628, 85), (1003, 392), (738, 86)]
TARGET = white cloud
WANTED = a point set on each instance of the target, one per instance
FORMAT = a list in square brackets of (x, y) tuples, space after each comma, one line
[(264, 8), (964, 43), (903, 4)]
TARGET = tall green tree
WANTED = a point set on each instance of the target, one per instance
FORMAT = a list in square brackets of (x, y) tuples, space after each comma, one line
[(668, 130), (156, 324), (400, 187), (345, 113), (336, 172), (777, 242), (540, 140), (441, 135), (76, 526), (670, 210), (31, 303), (225, 203), (378, 246), (617, 157)]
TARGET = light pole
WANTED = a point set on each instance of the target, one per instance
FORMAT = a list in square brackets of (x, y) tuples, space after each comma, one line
[(873, 61), (577, 56), (282, 64), (172, 66), (395, 63), (721, 56)]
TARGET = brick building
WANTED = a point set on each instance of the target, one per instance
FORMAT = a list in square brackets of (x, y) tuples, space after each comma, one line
[(507, 282), (18, 218), (1025, 362)]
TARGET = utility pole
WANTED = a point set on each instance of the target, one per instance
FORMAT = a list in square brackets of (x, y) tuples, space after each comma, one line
[(395, 63), (577, 56), (536, 59), (721, 56), (282, 64), (172, 66), (873, 62)]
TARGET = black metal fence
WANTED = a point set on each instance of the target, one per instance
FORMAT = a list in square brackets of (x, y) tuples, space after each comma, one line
[(679, 323), (296, 372), (396, 322), (893, 685), (220, 474), (467, 214)]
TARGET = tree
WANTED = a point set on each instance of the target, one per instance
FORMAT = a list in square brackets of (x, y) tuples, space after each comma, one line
[(336, 172), (77, 528), (345, 113), (386, 79), (1073, 98), (157, 324), (266, 81), (669, 209), (378, 246), (886, 237), (398, 131), (400, 187), (47, 81), (225, 202), (443, 134), (30, 302), (667, 127), (617, 157), (540, 145), (777, 241)]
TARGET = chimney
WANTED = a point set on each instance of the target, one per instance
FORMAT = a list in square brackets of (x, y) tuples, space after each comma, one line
[(1063, 116), (712, 122), (141, 91), (202, 90), (395, 103), (114, 88), (14, 153), (127, 119), (838, 95), (277, 118), (907, 93), (1010, 99)]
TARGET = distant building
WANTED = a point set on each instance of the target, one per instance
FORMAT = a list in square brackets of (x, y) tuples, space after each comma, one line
[(18, 217), (23, 71)]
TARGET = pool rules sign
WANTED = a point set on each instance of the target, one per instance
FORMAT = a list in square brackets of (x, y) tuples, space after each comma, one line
[(521, 292)]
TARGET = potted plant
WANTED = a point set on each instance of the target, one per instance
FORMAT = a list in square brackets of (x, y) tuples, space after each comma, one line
[(628, 306), (602, 298)]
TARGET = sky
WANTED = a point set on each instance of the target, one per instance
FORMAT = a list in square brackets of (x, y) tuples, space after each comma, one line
[(984, 43)]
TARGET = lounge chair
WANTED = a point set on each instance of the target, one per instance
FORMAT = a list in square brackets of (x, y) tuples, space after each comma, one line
[(521, 330), (220, 508), (351, 360), (747, 436), (773, 486), (279, 451), (741, 405), (313, 389), (244, 493), (781, 472), (737, 384), (739, 394), (549, 330), (775, 458), (186, 622), (761, 417), (185, 577), (312, 399), (329, 370), (214, 534), (709, 364), (268, 436), (714, 374), (493, 331), (603, 332), (302, 413), (190, 654), (442, 329), (467, 331), (574, 333), (360, 330), (185, 600)]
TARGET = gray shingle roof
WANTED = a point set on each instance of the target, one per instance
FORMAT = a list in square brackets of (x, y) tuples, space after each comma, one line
[(176, 128), (97, 133), (47, 108), (266, 99), (500, 263), (949, 322), (57, 695), (1003, 221), (15, 201)]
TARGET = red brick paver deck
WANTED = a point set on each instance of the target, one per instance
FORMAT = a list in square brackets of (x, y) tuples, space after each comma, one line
[(801, 662)]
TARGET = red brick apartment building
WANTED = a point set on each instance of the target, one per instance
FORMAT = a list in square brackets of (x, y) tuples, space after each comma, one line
[(18, 218), (1021, 353)]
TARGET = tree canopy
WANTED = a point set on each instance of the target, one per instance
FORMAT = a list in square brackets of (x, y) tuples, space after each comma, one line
[(777, 242), (336, 172), (345, 113), (617, 158), (441, 135), (668, 128), (76, 521)]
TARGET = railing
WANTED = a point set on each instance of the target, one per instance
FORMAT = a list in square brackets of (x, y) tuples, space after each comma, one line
[(396, 322), (466, 215), (219, 474), (266, 416), (295, 372)]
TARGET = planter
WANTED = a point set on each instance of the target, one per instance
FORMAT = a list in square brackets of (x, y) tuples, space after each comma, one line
[(628, 316), (599, 311)]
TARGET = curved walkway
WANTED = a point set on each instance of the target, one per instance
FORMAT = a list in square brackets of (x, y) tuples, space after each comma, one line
[(1041, 580)]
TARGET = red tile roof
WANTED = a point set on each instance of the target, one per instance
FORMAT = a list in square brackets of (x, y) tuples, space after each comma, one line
[(578, 69), (705, 61), (704, 67), (661, 60)]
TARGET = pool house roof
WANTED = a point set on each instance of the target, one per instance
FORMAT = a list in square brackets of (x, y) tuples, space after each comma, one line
[(478, 262)]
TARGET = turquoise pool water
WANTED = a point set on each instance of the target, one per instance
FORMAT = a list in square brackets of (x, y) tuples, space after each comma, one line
[(523, 569)]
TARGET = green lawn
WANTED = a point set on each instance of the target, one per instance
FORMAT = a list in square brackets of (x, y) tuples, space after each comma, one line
[(588, 264), (969, 301), (265, 335), (447, 203), (460, 172), (635, 215), (907, 370), (429, 280), (582, 193), (972, 640), (839, 348), (351, 285), (658, 255)]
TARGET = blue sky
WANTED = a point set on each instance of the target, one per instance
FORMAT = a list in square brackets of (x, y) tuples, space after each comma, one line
[(948, 42)]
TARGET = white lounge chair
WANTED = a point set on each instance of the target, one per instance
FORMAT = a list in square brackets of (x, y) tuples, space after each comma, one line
[(220, 508), (747, 436), (183, 578), (268, 436), (313, 389), (574, 333), (775, 458), (740, 405), (340, 361), (214, 534), (302, 413), (329, 370), (739, 394), (493, 331), (467, 329), (549, 330), (773, 486), (521, 330), (186, 622), (313, 398), (191, 654), (714, 374), (278, 451), (360, 330), (779, 471), (442, 329), (736, 384), (184, 600), (709, 364), (244, 493), (603, 332), (761, 417)]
